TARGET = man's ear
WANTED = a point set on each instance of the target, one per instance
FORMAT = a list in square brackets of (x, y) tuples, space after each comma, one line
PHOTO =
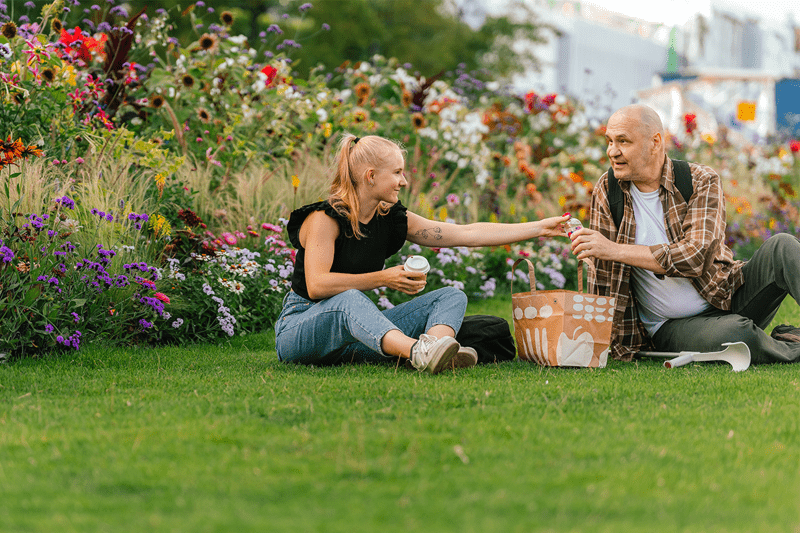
[(658, 143)]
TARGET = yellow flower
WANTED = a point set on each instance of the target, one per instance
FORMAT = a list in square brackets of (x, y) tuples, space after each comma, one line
[(523, 219), (443, 214), (583, 213), (492, 218), (512, 210), (295, 181), (68, 72), (772, 223), (160, 226), (160, 180), (707, 137), (562, 201), (327, 129)]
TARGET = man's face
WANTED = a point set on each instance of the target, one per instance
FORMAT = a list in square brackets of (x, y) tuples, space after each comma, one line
[(630, 151)]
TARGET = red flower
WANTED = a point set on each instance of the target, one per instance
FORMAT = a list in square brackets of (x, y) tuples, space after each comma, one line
[(88, 44), (531, 100), (794, 146), (690, 122), (270, 72), (549, 100), (161, 296)]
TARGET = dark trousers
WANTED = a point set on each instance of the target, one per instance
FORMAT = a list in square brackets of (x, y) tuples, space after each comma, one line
[(772, 273)]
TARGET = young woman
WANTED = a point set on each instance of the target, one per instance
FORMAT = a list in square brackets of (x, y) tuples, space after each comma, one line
[(342, 244)]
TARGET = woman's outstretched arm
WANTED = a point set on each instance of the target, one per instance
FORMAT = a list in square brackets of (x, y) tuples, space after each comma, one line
[(433, 233)]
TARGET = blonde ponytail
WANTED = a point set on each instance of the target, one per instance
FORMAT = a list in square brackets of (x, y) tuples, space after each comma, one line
[(353, 159)]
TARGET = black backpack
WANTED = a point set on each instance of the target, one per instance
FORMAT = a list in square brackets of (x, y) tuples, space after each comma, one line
[(683, 181), (490, 336)]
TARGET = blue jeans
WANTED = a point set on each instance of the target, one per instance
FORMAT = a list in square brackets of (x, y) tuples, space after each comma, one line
[(349, 327)]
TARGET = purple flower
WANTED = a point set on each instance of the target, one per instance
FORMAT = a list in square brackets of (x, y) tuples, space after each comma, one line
[(305, 7), (326, 26), (75, 317), (60, 339), (49, 328), (145, 324)]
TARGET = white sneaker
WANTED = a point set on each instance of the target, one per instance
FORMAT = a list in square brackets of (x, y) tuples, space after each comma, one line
[(465, 358), (430, 354)]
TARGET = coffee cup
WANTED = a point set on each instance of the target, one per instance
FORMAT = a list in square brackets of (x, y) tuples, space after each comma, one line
[(417, 263)]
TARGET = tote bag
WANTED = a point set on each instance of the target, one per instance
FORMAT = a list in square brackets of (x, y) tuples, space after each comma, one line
[(561, 327)]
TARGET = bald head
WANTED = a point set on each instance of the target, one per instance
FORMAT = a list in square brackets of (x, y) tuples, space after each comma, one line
[(636, 146), (648, 120)]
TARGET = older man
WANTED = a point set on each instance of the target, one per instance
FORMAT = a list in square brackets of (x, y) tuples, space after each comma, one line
[(676, 283)]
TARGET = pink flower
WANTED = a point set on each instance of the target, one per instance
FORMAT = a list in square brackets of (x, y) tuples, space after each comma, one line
[(161, 296), (228, 238), (271, 227)]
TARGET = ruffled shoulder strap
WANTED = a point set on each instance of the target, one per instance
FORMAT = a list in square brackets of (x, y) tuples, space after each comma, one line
[(300, 215)]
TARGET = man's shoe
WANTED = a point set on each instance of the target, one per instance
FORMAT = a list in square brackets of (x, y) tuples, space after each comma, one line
[(786, 333), (465, 358), (432, 355)]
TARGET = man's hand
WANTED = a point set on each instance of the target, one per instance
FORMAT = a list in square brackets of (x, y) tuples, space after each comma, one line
[(588, 243)]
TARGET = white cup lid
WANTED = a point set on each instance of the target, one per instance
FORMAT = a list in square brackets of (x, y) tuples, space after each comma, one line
[(417, 263)]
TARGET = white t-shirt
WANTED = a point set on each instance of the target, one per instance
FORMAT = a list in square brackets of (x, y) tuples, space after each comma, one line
[(659, 299)]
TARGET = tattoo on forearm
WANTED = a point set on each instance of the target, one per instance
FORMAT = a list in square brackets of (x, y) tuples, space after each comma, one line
[(432, 234)]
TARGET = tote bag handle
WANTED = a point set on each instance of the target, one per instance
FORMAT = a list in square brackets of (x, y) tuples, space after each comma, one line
[(532, 273)]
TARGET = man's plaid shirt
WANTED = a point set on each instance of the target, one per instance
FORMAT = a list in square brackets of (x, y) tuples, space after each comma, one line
[(696, 250)]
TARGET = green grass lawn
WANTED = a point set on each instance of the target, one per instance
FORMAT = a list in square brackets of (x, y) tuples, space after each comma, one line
[(224, 438)]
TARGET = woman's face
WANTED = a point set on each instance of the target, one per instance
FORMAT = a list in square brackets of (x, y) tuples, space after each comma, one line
[(389, 178)]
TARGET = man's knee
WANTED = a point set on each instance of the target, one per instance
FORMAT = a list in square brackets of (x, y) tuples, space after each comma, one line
[(783, 244)]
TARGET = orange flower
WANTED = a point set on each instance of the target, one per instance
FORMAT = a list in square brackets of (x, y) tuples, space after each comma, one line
[(362, 91)]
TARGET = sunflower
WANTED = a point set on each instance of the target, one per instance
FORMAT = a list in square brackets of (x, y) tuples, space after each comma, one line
[(226, 17), (9, 30), (48, 75), (156, 101), (187, 80), (56, 26), (203, 115), (360, 115), (418, 120), (407, 99), (208, 42), (363, 91)]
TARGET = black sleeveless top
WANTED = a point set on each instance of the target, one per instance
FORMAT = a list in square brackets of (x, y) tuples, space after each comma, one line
[(383, 237)]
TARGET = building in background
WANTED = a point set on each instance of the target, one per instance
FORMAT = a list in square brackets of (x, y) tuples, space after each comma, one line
[(602, 58), (727, 66)]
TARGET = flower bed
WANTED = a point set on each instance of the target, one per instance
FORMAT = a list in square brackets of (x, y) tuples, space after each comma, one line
[(212, 142)]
